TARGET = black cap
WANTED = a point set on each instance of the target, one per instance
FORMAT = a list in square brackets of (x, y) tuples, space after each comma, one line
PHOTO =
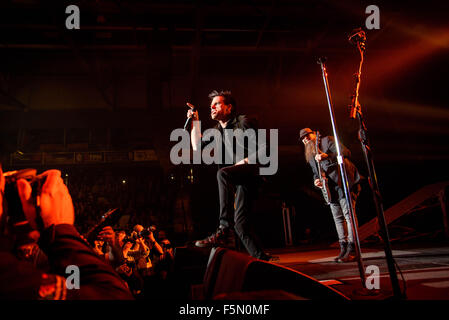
[(304, 132)]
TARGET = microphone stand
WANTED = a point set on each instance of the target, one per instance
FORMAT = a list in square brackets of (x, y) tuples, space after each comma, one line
[(355, 112), (344, 176)]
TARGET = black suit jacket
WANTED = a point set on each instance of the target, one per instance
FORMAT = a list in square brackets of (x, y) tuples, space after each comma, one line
[(330, 166), (243, 123)]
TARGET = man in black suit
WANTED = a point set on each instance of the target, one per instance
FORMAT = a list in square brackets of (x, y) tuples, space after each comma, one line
[(237, 180), (326, 157)]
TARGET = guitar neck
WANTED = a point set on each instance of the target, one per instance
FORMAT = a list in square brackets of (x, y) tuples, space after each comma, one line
[(317, 150)]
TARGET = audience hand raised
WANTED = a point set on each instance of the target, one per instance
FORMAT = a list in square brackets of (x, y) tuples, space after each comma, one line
[(54, 202)]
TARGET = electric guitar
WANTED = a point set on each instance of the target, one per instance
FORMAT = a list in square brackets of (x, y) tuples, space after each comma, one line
[(324, 185)]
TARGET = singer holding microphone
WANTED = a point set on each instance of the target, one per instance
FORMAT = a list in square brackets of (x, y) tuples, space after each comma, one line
[(237, 182)]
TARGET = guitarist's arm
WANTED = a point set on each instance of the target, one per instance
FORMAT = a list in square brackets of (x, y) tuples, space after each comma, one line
[(330, 150)]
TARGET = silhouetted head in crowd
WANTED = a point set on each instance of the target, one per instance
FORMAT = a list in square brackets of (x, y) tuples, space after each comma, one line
[(138, 228)]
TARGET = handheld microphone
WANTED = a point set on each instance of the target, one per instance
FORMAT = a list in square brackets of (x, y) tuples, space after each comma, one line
[(189, 120)]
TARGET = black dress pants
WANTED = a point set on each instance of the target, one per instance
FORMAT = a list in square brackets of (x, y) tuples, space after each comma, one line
[(239, 184)]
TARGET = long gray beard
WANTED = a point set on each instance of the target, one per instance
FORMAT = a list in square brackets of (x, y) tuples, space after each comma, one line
[(309, 152)]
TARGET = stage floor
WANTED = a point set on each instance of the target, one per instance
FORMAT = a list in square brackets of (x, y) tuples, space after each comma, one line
[(425, 268)]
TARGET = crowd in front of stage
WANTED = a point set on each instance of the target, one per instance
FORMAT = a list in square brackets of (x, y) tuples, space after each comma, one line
[(44, 256), (138, 196), (143, 257)]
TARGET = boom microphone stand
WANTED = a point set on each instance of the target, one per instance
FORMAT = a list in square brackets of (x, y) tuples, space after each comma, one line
[(344, 176), (358, 38)]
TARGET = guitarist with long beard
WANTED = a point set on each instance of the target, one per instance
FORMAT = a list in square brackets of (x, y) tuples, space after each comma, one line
[(321, 155)]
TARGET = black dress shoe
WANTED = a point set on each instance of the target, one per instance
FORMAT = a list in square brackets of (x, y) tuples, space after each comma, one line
[(223, 237)]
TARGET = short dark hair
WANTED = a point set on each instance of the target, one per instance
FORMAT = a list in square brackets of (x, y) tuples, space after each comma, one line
[(227, 96)]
